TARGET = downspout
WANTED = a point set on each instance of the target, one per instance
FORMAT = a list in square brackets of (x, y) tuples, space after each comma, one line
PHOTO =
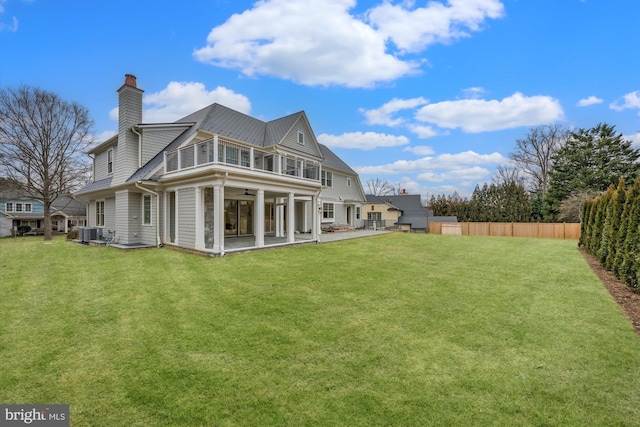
[(133, 129), (158, 243)]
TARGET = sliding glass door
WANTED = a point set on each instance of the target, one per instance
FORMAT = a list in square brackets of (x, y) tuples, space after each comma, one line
[(238, 217)]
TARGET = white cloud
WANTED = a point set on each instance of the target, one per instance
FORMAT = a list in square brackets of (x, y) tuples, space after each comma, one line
[(422, 131), (414, 30), (592, 100), (103, 136), (473, 92), (383, 115), (477, 115), (473, 174), (634, 138), (420, 150), (629, 101), (12, 28), (430, 164), (319, 42), (180, 99), (363, 141)]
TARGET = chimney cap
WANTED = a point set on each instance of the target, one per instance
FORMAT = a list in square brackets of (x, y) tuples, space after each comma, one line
[(130, 80)]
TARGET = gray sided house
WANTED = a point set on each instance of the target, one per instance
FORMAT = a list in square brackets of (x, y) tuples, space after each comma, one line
[(215, 178), (18, 209), (404, 211)]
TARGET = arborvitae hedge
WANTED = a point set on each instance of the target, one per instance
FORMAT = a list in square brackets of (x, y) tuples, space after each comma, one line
[(611, 231), (607, 210), (618, 205)]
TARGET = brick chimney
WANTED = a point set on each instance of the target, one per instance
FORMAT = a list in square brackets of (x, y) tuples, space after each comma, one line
[(129, 115)]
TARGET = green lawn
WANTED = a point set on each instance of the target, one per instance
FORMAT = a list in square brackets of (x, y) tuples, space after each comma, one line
[(405, 330)]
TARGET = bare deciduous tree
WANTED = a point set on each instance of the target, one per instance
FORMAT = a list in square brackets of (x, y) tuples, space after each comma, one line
[(571, 207), (507, 174), (42, 139), (379, 187), (534, 155)]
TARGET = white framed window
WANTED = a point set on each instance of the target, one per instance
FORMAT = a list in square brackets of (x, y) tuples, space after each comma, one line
[(100, 213), (300, 137), (9, 207), (374, 216), (327, 179), (18, 207), (110, 161), (348, 182), (27, 207), (146, 209), (357, 212), (327, 211)]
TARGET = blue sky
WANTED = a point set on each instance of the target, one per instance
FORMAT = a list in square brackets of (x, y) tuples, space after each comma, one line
[(428, 95)]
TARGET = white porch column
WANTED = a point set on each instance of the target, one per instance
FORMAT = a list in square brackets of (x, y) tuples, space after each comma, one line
[(259, 221), (199, 219), (218, 218), (315, 218), (215, 148), (279, 217), (305, 216), (291, 218)]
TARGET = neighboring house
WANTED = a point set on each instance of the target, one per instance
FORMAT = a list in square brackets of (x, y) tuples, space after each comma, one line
[(215, 175), (16, 210), (403, 212)]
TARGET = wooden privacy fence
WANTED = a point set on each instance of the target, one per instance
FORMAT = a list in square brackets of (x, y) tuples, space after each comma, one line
[(509, 229)]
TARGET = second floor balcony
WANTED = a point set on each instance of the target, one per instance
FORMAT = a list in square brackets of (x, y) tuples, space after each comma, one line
[(220, 151)]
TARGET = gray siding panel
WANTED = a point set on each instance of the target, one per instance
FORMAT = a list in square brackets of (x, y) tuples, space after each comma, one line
[(100, 165), (91, 213), (135, 217), (109, 213), (124, 221), (340, 188), (160, 216), (291, 139), (155, 141), (186, 217), (148, 232)]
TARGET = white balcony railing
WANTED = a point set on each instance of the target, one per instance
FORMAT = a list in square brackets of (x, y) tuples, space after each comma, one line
[(243, 156)]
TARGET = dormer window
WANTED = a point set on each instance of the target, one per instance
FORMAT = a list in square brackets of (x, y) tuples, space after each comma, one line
[(300, 137)]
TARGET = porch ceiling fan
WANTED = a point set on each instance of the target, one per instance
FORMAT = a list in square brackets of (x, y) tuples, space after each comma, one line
[(246, 193)]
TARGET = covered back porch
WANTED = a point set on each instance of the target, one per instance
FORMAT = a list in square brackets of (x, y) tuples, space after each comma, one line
[(222, 216)]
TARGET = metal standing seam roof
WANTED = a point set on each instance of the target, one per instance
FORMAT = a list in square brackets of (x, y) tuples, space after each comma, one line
[(226, 122), (332, 161), (95, 186)]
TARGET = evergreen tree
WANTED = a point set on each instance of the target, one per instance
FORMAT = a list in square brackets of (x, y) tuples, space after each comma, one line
[(625, 221), (590, 160), (618, 206), (607, 226), (628, 268)]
